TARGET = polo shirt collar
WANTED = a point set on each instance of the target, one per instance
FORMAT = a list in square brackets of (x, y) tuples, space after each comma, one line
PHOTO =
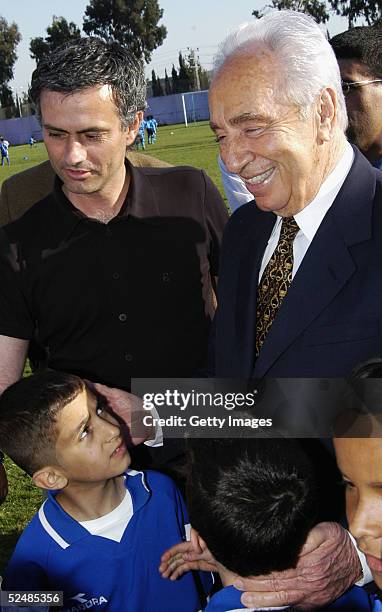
[(141, 202), (65, 530), (141, 198)]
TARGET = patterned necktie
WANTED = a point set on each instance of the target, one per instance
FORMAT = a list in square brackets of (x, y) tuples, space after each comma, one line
[(275, 281)]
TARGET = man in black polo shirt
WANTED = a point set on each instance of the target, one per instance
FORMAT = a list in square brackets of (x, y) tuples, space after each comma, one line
[(111, 275)]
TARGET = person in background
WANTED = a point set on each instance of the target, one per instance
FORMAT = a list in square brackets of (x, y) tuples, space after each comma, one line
[(151, 129), (234, 187), (4, 150), (140, 138), (359, 55)]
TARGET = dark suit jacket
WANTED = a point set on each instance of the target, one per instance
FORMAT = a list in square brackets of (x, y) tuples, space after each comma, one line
[(22, 190), (331, 317)]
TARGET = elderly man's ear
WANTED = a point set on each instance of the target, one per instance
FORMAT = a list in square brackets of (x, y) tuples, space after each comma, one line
[(326, 114)]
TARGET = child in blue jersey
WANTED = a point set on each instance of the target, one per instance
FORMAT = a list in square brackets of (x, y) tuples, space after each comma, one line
[(358, 446), (100, 533), (4, 150), (251, 512), (140, 139), (151, 129)]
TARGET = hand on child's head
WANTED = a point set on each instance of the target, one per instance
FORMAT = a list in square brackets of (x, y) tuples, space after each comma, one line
[(129, 408)]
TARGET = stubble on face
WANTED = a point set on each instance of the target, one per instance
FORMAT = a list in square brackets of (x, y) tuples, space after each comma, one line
[(85, 140)]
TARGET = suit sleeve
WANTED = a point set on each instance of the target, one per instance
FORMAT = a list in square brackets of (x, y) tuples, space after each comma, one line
[(216, 218)]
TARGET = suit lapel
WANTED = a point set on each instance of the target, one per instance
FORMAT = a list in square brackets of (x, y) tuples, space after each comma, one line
[(249, 257), (327, 265)]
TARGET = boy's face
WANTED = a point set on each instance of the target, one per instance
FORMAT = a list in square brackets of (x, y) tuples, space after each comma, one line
[(360, 461), (89, 445)]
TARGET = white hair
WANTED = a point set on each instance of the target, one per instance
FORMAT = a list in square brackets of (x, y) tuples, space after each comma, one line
[(302, 50)]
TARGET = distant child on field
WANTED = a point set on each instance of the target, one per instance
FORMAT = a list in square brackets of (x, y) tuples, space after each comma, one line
[(100, 533), (151, 129), (140, 139), (4, 150), (252, 503)]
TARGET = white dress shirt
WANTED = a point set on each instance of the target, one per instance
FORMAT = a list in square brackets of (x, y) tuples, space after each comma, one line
[(309, 218)]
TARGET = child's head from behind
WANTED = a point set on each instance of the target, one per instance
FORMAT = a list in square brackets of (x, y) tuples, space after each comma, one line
[(59, 432), (252, 501)]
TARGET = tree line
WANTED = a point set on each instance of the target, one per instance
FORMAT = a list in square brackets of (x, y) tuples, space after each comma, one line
[(190, 76), (370, 11), (132, 23)]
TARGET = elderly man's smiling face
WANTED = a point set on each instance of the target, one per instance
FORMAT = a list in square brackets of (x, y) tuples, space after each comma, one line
[(264, 139)]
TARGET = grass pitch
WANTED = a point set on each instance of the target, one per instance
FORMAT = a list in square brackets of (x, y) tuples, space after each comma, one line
[(176, 144)]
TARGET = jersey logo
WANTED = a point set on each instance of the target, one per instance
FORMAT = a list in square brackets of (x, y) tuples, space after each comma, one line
[(79, 597), (85, 604)]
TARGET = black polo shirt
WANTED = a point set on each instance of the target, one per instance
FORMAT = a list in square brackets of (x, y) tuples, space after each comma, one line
[(131, 298)]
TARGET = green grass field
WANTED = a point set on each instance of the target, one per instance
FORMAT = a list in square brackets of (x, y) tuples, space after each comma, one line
[(178, 145)]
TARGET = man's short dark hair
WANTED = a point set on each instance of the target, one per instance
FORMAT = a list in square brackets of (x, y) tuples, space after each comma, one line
[(28, 411), (252, 501), (88, 62), (363, 44)]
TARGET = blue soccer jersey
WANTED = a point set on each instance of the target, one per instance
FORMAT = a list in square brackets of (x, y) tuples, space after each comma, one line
[(55, 552)]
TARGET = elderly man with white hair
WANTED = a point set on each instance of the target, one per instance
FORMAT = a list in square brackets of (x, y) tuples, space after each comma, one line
[(300, 283)]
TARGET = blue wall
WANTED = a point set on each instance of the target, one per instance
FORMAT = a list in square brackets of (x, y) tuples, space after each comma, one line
[(166, 109), (18, 131)]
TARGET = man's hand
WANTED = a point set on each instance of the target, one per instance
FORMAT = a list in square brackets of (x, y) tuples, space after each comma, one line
[(186, 556), (328, 565), (129, 408), (3, 484)]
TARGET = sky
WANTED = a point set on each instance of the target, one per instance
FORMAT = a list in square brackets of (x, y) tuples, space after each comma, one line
[(197, 24)]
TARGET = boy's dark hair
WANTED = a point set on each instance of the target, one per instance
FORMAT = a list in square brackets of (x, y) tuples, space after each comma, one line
[(28, 411), (88, 62), (252, 501), (363, 44)]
